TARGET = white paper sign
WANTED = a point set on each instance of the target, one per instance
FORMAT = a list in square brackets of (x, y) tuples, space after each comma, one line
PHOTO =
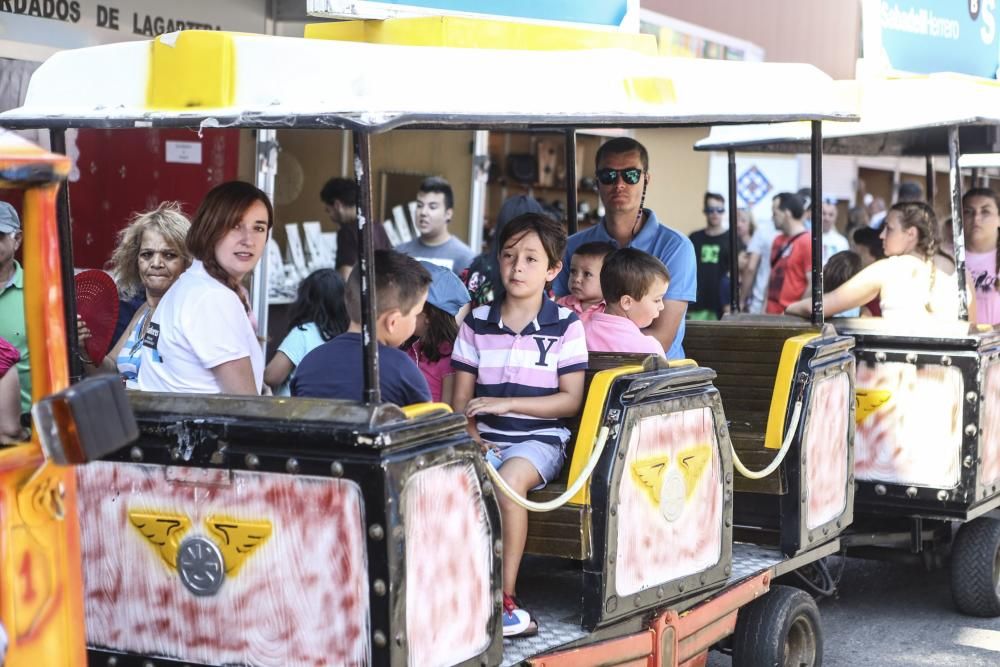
[(184, 152)]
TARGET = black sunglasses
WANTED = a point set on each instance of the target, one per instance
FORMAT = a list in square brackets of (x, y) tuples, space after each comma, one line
[(631, 175), (714, 209)]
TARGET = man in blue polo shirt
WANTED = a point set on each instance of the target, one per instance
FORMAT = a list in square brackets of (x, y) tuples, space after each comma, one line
[(623, 176)]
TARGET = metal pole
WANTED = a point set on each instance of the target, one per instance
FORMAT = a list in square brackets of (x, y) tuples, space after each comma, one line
[(817, 222), (267, 167), (955, 183), (57, 139), (366, 266), (572, 205), (930, 180), (477, 194), (734, 255)]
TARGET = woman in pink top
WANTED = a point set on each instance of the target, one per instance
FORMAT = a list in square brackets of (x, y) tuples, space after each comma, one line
[(436, 330), (981, 219), (633, 283)]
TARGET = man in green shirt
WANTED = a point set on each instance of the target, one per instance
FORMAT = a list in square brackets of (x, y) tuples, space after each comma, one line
[(12, 326)]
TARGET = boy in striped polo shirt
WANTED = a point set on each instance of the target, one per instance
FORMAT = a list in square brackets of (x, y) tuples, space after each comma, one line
[(519, 370)]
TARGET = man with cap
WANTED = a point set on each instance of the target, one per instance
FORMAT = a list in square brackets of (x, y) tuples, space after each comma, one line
[(12, 326), (437, 328)]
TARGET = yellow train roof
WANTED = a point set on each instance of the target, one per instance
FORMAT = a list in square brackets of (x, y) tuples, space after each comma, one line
[(211, 79)]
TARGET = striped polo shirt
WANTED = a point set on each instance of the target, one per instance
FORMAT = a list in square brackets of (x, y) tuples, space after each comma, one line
[(526, 364)]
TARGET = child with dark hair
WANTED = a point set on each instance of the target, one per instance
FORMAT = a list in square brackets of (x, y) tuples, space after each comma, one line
[(436, 330), (519, 368), (633, 283), (585, 297), (840, 268), (317, 315), (334, 369)]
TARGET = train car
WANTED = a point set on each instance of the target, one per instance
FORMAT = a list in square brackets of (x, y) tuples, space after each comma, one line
[(926, 444), (268, 531)]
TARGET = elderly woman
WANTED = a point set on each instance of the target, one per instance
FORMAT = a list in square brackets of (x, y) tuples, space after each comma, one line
[(151, 254)]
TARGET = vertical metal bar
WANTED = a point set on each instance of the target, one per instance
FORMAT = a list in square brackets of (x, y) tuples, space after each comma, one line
[(366, 266), (477, 193), (266, 146), (816, 186), (734, 239), (57, 139), (955, 183), (572, 206), (930, 180)]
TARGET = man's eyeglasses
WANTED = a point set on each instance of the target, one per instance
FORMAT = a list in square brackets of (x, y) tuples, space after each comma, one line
[(714, 209), (610, 176)]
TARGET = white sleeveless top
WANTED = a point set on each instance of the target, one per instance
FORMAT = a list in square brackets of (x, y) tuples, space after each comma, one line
[(906, 290)]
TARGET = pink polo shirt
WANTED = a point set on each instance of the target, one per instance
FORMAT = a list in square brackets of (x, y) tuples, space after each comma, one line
[(612, 333), (571, 302)]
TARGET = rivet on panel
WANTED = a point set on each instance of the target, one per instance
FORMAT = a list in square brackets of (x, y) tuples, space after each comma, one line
[(967, 462), (401, 639), (421, 461), (379, 639), (498, 547), (911, 358), (850, 479), (379, 587), (637, 601), (911, 492), (337, 469), (840, 524), (946, 360), (659, 591), (826, 530), (680, 587), (147, 663), (880, 356), (811, 537), (971, 430), (112, 662), (251, 461), (612, 604), (942, 495), (292, 465), (488, 488), (136, 454), (375, 532), (879, 489), (614, 511), (971, 396), (727, 570)]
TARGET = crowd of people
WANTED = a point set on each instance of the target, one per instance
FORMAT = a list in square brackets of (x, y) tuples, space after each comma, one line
[(502, 337)]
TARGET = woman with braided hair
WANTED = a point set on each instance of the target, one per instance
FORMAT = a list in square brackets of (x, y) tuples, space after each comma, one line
[(201, 339), (981, 220), (915, 280)]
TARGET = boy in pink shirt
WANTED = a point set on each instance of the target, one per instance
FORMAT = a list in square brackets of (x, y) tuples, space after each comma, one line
[(633, 283), (585, 297)]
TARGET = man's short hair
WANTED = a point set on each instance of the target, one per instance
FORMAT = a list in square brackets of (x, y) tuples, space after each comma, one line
[(788, 201), (340, 189), (551, 234), (630, 272), (438, 184), (910, 191), (712, 195), (620, 145), (594, 249), (400, 282)]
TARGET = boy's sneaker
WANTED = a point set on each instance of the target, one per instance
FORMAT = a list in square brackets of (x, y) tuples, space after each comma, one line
[(517, 622)]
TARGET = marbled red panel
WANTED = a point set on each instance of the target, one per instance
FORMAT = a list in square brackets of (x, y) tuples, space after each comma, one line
[(825, 448)]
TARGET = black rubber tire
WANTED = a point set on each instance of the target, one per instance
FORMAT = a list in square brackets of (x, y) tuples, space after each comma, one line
[(975, 568), (781, 629)]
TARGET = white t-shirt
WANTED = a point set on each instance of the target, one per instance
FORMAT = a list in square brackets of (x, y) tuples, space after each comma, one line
[(907, 293), (760, 244), (199, 324), (833, 242)]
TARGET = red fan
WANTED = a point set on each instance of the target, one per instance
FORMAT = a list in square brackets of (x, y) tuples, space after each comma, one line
[(97, 304)]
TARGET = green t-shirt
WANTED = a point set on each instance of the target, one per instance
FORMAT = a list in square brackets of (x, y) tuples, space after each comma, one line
[(13, 329)]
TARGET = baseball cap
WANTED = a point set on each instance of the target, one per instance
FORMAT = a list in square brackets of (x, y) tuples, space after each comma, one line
[(9, 222), (447, 291)]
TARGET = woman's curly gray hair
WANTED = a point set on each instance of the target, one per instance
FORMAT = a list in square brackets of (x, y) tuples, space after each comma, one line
[(167, 220)]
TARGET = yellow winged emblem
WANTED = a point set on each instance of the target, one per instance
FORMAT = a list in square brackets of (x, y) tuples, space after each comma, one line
[(650, 474), (867, 401), (647, 474), (237, 539), (163, 531)]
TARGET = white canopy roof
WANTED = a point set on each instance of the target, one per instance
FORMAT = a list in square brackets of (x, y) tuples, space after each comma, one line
[(901, 116), (293, 82)]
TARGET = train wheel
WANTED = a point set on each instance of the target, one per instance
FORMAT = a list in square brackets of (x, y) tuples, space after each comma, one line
[(781, 629), (975, 568)]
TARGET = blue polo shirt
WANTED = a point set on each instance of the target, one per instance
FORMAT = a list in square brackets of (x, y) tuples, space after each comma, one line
[(673, 249)]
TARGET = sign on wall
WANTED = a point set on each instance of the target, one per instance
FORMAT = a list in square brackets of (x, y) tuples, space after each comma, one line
[(622, 14), (927, 36)]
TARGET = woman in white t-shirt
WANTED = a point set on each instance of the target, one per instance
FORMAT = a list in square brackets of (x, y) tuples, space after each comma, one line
[(914, 281), (981, 221), (200, 339)]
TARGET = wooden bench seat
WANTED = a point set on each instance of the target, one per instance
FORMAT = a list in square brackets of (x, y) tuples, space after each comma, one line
[(745, 353)]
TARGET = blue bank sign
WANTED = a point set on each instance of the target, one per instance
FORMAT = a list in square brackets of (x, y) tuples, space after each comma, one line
[(927, 36)]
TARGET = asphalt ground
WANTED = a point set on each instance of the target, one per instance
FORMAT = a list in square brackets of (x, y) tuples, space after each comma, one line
[(896, 615)]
